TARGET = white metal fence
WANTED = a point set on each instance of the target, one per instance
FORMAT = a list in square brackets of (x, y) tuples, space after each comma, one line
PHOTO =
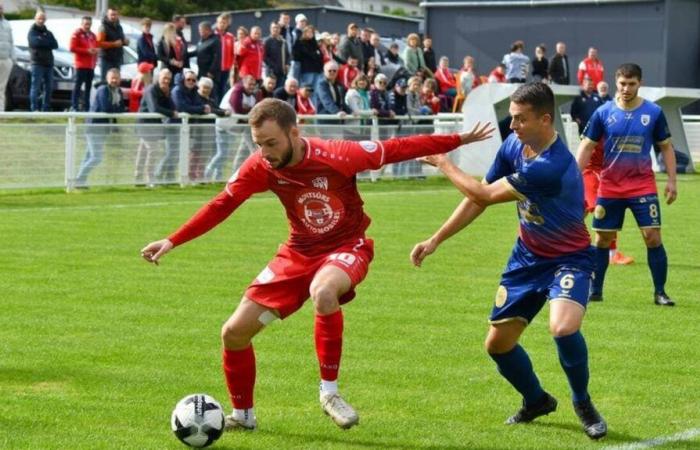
[(63, 150), (42, 150)]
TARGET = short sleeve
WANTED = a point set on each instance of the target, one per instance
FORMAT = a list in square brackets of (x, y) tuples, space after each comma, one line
[(595, 127), (661, 131)]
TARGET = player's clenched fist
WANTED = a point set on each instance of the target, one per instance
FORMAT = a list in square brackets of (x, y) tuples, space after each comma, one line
[(153, 251), (421, 250)]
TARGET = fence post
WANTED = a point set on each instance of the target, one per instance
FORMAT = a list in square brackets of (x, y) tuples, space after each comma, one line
[(183, 162), (374, 135), (70, 146)]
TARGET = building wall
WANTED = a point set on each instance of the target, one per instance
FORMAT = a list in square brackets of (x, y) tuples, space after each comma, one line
[(661, 36), (383, 6), (324, 19)]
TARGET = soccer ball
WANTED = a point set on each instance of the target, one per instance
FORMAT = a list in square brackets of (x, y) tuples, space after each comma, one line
[(198, 420)]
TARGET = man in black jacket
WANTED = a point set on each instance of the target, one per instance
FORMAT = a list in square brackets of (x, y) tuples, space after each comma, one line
[(288, 92), (42, 43), (111, 40), (559, 65), (208, 52), (277, 56)]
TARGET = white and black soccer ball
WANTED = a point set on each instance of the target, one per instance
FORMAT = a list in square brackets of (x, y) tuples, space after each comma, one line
[(198, 420)]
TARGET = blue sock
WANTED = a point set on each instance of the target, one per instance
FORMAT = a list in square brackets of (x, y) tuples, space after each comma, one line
[(601, 259), (573, 356), (658, 263), (516, 367)]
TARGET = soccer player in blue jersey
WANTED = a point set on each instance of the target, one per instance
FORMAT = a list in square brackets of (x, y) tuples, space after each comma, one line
[(552, 259), (630, 126)]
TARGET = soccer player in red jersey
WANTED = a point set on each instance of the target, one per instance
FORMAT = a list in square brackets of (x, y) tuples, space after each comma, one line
[(327, 254)]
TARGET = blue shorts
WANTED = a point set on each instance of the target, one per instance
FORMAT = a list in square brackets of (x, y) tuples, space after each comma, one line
[(609, 213), (530, 280)]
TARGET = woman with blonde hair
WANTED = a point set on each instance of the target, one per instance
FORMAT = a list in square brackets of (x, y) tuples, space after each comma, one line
[(171, 50), (413, 55)]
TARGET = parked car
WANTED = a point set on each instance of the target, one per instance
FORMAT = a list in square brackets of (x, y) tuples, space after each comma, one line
[(17, 92)]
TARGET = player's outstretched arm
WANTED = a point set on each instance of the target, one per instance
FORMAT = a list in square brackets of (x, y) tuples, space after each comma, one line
[(463, 215), (583, 154), (155, 250), (669, 156)]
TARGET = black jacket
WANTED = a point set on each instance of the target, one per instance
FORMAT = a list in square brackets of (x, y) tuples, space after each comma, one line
[(146, 49), (155, 101), (165, 55), (283, 95), (429, 57), (209, 56), (41, 45), (276, 56), (557, 67), (113, 32), (308, 54)]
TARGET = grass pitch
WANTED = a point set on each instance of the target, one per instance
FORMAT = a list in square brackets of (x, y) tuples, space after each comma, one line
[(97, 346)]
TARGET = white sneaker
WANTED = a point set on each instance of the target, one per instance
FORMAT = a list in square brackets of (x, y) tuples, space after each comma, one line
[(247, 422), (339, 410)]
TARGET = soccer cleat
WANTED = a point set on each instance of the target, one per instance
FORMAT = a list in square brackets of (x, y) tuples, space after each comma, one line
[(620, 259), (339, 410), (595, 297), (247, 422), (663, 300), (593, 424), (527, 414)]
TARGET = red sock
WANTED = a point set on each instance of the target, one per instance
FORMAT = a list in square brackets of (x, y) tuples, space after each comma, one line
[(328, 333), (239, 368), (613, 244)]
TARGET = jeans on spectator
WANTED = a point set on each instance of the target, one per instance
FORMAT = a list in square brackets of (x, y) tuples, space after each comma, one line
[(42, 81), (168, 164), (82, 77), (5, 70), (223, 143), (106, 65), (96, 137), (309, 79), (295, 71)]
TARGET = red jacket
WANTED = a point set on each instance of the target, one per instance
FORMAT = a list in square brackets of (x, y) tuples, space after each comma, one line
[(136, 94), (347, 74), (251, 55), (228, 42), (80, 44), (593, 68), (446, 80)]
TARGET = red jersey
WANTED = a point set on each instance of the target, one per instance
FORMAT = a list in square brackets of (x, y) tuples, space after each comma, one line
[(80, 43), (593, 68), (227, 50), (251, 54), (597, 157), (347, 74), (319, 194), (446, 80), (135, 94)]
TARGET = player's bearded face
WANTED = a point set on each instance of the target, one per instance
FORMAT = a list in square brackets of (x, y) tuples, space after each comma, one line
[(627, 88)]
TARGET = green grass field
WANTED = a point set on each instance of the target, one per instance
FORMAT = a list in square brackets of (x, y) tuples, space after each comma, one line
[(96, 346)]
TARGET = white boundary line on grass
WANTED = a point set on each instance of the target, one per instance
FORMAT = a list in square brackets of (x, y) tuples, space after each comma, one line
[(678, 437), (200, 202)]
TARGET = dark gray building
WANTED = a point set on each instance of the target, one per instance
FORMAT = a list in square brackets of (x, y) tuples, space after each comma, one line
[(324, 18), (662, 36)]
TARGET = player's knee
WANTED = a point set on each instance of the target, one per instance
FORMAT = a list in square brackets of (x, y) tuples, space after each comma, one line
[(232, 336), (325, 298), (652, 238), (495, 345), (563, 329), (603, 240)]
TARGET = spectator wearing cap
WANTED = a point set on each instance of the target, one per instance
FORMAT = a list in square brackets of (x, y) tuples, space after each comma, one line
[(108, 99), (251, 55), (227, 41), (83, 44), (301, 22), (517, 63), (203, 136), (413, 55), (429, 54), (288, 92), (366, 42), (142, 79), (42, 43), (397, 98), (329, 94), (348, 72), (111, 40), (276, 55), (304, 104), (208, 52), (308, 55), (145, 47), (350, 45)]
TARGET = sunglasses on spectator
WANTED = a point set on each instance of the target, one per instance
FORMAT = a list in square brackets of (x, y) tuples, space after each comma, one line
[(332, 70), (381, 82)]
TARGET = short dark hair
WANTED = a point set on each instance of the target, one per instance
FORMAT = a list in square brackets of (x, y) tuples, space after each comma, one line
[(177, 17), (88, 18), (538, 95), (517, 45), (273, 109), (629, 70), (205, 25)]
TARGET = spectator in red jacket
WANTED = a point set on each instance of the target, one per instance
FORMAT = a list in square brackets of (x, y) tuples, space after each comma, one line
[(304, 105), (83, 43), (227, 54), (498, 74), (445, 78), (138, 84), (348, 72), (591, 66), (429, 96), (251, 53)]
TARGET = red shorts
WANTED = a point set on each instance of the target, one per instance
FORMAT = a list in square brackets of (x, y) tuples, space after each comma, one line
[(284, 284), (591, 180)]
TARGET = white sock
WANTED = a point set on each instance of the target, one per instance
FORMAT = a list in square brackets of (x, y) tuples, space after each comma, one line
[(612, 252), (243, 414), (330, 387)]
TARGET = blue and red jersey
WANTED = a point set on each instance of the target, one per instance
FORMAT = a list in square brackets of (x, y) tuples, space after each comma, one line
[(629, 137), (549, 189)]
